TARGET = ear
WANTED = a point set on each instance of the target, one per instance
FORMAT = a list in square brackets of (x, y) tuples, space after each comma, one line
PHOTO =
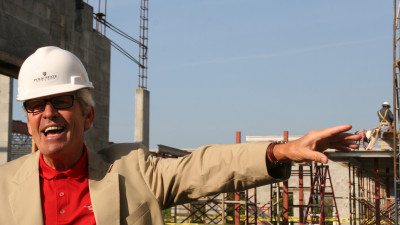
[(29, 125), (89, 118)]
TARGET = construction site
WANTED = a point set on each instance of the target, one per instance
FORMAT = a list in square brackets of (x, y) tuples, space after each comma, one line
[(358, 187)]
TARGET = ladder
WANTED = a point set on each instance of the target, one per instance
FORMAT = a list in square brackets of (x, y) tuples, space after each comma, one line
[(322, 198)]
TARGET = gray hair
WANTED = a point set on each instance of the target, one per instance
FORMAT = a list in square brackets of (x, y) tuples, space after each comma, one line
[(85, 99)]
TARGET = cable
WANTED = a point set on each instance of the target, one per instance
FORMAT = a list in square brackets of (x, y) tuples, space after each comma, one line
[(117, 30), (99, 18), (129, 56)]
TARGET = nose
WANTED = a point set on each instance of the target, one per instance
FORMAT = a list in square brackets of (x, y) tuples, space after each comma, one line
[(49, 111)]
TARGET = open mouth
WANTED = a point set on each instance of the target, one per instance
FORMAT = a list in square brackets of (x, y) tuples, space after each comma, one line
[(53, 130)]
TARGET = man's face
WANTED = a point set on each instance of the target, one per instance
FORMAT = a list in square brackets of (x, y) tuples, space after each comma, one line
[(59, 132)]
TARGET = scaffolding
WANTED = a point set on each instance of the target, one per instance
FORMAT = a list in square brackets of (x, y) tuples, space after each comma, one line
[(294, 213), (368, 199), (370, 196), (396, 65), (370, 191), (21, 140), (321, 194), (245, 207), (232, 208)]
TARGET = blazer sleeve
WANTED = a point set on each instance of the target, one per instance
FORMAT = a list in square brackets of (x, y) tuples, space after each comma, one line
[(209, 170)]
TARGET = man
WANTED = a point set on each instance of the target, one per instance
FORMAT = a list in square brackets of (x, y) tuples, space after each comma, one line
[(385, 118), (66, 183), (385, 124)]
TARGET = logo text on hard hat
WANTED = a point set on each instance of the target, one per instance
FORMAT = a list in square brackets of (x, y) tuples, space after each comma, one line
[(45, 77)]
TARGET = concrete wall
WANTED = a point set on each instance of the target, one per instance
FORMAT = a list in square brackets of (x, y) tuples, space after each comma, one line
[(28, 25)]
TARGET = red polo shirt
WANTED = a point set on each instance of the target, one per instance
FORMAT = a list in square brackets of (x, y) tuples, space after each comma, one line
[(65, 194)]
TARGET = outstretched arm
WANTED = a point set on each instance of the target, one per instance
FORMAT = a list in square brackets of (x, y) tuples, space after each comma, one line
[(311, 146)]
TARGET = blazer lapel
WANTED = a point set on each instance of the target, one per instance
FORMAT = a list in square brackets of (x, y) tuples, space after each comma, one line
[(25, 200), (104, 191)]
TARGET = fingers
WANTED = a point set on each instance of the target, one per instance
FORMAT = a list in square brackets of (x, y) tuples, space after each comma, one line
[(311, 146), (346, 137), (335, 137), (345, 143), (321, 158), (332, 131), (316, 156)]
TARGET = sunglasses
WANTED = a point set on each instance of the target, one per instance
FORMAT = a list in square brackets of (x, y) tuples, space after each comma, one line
[(58, 102)]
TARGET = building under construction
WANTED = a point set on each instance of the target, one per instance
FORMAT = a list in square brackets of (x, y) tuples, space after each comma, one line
[(359, 187), (354, 188)]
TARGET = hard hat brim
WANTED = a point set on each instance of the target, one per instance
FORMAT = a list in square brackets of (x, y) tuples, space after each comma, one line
[(52, 90)]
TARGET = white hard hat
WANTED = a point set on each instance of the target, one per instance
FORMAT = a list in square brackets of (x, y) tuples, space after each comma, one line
[(51, 70), (386, 103)]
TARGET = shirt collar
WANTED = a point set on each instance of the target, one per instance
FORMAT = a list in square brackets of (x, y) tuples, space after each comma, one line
[(79, 170)]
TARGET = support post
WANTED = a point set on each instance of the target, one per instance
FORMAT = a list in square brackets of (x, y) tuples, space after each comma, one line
[(285, 207), (354, 196), (255, 206), (223, 208), (301, 195), (237, 194), (142, 116), (377, 192), (351, 199), (388, 195), (362, 195)]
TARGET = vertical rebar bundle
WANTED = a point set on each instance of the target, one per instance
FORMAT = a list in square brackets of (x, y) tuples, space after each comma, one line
[(144, 29)]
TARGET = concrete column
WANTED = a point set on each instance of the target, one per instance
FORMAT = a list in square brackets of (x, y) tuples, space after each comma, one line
[(142, 116), (6, 85)]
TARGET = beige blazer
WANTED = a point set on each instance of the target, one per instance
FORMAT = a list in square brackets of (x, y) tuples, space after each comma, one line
[(128, 186)]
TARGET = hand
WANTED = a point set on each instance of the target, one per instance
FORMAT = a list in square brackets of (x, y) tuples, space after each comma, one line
[(311, 146)]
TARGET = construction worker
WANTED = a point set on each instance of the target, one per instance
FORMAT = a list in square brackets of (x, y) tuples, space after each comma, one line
[(385, 124), (64, 182), (385, 118)]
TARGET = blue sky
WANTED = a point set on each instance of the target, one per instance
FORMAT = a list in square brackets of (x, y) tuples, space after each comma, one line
[(259, 66)]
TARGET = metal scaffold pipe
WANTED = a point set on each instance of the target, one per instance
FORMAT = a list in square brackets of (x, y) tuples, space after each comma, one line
[(395, 103)]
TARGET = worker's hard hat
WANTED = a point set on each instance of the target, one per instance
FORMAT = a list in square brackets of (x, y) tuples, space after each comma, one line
[(385, 104), (51, 70)]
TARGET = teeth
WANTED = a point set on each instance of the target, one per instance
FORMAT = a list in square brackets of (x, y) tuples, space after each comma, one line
[(53, 128)]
